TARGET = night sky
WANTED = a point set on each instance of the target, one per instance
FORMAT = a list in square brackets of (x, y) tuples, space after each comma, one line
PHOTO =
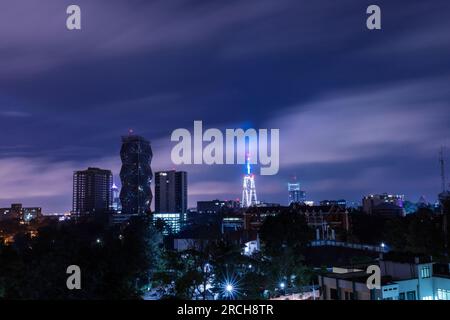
[(359, 111)]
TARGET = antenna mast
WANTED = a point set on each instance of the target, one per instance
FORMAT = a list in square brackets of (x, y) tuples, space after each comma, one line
[(442, 164)]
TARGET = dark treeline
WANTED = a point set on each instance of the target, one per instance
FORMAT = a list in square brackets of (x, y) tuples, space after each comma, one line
[(123, 262), (114, 262)]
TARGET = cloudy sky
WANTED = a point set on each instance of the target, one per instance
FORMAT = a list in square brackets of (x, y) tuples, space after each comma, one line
[(359, 111)]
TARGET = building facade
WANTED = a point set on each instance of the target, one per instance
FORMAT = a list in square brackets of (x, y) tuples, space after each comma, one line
[(92, 191), (20, 213), (401, 279), (295, 195), (171, 192), (135, 175), (371, 201)]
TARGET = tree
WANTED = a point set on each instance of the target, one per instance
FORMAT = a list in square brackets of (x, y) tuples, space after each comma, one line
[(115, 262), (286, 230)]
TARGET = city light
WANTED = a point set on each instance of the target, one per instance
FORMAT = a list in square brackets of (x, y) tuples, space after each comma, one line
[(230, 288)]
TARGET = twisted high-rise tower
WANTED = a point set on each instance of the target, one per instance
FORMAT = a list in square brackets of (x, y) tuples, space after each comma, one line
[(136, 175)]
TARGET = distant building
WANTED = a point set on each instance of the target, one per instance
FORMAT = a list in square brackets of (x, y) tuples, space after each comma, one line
[(115, 198), (210, 207), (135, 175), (327, 221), (295, 194), (341, 203), (171, 192), (173, 222), (217, 206), (91, 191), (19, 213), (387, 210), (371, 201)]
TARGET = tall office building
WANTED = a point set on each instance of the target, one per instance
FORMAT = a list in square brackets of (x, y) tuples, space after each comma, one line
[(91, 191), (295, 194), (135, 175), (171, 192)]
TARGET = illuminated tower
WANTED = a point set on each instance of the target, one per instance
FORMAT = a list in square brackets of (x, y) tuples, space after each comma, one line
[(115, 198), (136, 175), (295, 194), (249, 190)]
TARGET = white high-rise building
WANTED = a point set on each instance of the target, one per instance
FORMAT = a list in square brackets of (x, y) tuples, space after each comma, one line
[(115, 198)]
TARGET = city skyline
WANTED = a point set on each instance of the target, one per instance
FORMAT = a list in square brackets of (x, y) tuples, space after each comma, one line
[(358, 112)]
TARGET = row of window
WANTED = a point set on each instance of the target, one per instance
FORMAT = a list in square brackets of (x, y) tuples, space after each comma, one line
[(443, 294), (425, 272), (410, 295)]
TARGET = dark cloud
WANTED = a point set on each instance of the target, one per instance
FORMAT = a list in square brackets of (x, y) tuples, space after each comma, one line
[(358, 111)]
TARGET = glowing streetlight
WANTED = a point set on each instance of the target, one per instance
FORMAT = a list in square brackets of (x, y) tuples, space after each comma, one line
[(282, 285)]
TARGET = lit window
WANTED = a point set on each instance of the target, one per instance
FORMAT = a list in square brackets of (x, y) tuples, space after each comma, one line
[(425, 272), (443, 294)]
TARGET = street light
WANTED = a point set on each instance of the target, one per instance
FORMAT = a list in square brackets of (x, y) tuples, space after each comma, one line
[(230, 289), (282, 285)]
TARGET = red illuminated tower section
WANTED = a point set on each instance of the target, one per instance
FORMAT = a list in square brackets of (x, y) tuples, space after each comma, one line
[(249, 190)]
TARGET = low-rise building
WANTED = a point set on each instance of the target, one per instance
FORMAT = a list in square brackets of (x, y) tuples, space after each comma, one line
[(402, 278), (20, 213)]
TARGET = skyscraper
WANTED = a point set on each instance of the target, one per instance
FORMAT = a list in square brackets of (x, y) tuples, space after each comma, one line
[(115, 198), (249, 190), (295, 194), (171, 192), (135, 175), (91, 191)]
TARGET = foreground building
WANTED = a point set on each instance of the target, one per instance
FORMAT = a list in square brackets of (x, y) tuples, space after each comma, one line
[(402, 278)]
